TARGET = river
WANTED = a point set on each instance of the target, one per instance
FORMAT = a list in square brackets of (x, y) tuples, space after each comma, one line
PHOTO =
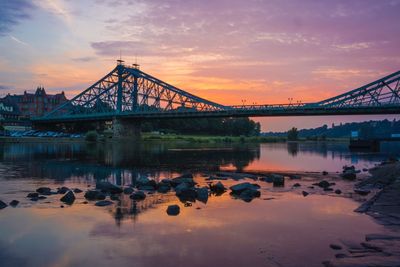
[(281, 228)]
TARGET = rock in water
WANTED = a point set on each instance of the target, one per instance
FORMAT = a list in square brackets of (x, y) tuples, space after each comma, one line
[(128, 190), (278, 180), (349, 175), (62, 190), (305, 193), (173, 210), (108, 188), (138, 195), (103, 203), (202, 194), (238, 188), (32, 195), (77, 191), (323, 184), (44, 191), (338, 191), (68, 198), (94, 195), (335, 247), (218, 188), (14, 203), (248, 194), (2, 205)]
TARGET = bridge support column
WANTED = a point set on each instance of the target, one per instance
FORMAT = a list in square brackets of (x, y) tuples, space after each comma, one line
[(126, 128)]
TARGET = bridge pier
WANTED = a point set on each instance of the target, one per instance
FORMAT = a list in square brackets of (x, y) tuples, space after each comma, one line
[(126, 128)]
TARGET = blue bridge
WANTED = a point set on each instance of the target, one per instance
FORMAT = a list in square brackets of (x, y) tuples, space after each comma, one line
[(127, 95)]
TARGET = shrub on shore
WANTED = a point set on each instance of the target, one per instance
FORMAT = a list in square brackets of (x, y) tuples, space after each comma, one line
[(91, 136)]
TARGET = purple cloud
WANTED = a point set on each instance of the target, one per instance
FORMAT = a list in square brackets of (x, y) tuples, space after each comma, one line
[(12, 12)]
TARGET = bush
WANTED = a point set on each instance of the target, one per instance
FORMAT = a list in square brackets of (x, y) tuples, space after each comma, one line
[(91, 136), (292, 134)]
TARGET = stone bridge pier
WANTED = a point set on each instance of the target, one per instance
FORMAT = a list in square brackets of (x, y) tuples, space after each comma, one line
[(126, 128)]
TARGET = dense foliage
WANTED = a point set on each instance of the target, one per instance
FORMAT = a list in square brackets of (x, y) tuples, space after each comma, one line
[(292, 134), (367, 129), (204, 126)]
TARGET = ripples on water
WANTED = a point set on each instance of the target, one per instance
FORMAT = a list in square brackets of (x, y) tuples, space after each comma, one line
[(223, 232)]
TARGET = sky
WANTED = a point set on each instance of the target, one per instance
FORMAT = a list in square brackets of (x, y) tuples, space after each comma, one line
[(227, 51)]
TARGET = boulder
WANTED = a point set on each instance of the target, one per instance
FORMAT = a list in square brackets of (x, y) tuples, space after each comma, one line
[(138, 195), (142, 181), (278, 180), (108, 187), (2, 205), (185, 193), (164, 188), (103, 203), (94, 195), (33, 195), (349, 175), (323, 184), (128, 190), (188, 179), (338, 191), (147, 187), (77, 191), (202, 194), (218, 188), (14, 203), (238, 188), (173, 210), (62, 190), (44, 191), (335, 246), (248, 194), (68, 198)]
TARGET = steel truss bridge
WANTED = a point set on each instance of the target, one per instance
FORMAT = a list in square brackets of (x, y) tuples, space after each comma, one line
[(129, 93)]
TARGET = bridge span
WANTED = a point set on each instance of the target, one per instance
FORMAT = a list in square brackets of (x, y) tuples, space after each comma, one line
[(128, 95)]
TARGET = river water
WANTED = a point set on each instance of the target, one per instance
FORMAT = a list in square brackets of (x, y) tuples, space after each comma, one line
[(281, 228)]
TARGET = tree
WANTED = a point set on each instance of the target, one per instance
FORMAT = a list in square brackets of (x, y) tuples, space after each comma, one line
[(292, 134)]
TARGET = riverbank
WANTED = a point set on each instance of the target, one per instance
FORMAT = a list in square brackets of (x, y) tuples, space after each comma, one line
[(384, 207), (227, 139)]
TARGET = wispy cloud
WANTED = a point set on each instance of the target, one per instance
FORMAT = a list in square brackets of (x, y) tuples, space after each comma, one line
[(15, 39), (57, 8)]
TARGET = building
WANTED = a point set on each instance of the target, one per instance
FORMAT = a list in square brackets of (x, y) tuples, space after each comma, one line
[(35, 104)]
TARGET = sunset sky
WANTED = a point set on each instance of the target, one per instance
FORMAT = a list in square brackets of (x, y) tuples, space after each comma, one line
[(228, 51)]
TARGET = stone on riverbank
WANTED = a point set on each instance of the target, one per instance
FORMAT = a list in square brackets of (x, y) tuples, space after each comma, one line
[(138, 195), (173, 210), (3, 205), (323, 184), (103, 203), (108, 187), (185, 192), (44, 191), (68, 198)]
